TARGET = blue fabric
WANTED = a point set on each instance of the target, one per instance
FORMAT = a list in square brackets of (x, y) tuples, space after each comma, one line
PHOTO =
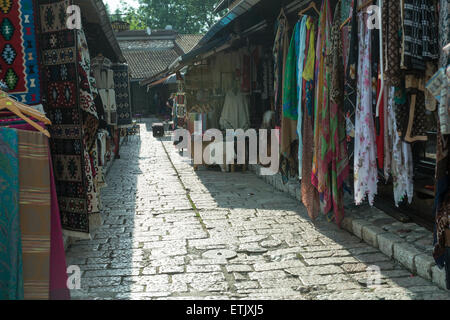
[(11, 276), (300, 45)]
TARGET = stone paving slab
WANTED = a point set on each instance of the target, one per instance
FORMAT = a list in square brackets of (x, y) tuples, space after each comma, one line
[(408, 243), (171, 232)]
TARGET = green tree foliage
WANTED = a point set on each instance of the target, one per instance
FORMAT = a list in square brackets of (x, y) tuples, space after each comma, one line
[(185, 16)]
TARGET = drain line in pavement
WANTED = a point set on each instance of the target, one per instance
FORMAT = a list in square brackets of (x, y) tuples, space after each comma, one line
[(194, 207)]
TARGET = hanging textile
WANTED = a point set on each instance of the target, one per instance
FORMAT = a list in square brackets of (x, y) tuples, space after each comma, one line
[(301, 57), (322, 150), (338, 145), (290, 96), (444, 61), (11, 274), (350, 89), (122, 89), (391, 22), (35, 213), (58, 266), (441, 208), (365, 161), (69, 137), (279, 54), (419, 34), (401, 165), (19, 63), (310, 196), (380, 127)]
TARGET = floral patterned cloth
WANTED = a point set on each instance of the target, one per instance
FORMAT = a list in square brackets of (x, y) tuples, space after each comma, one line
[(365, 161)]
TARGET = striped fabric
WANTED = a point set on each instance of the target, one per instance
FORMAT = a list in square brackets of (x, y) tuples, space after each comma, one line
[(35, 213)]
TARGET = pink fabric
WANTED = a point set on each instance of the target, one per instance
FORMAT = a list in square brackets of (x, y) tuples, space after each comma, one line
[(58, 266)]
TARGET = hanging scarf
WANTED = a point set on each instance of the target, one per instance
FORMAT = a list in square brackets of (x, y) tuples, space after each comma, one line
[(278, 55), (392, 39), (401, 161), (322, 152), (290, 90), (350, 91), (380, 127), (310, 196), (309, 70), (300, 66), (365, 161), (290, 98), (339, 157)]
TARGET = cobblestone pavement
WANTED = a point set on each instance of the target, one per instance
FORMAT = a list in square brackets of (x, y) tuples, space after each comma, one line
[(172, 233)]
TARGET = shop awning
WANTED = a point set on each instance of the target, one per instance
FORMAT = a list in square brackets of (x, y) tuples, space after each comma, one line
[(94, 12), (171, 79), (241, 8)]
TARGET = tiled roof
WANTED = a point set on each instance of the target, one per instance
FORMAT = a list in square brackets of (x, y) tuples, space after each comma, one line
[(149, 55), (147, 63), (187, 42), (143, 33), (146, 44)]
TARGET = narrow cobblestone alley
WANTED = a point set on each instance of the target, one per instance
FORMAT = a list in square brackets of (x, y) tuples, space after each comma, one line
[(172, 233)]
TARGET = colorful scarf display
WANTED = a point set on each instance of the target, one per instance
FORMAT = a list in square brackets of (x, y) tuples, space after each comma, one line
[(301, 53), (11, 272), (290, 96), (321, 177), (310, 196), (338, 145)]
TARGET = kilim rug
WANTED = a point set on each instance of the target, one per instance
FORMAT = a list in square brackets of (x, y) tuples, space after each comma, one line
[(19, 61), (122, 88), (72, 166)]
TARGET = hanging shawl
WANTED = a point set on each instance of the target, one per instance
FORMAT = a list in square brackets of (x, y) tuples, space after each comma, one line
[(350, 91), (279, 58), (365, 161), (339, 157), (322, 152), (290, 90), (290, 98), (310, 196), (300, 66), (401, 161)]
